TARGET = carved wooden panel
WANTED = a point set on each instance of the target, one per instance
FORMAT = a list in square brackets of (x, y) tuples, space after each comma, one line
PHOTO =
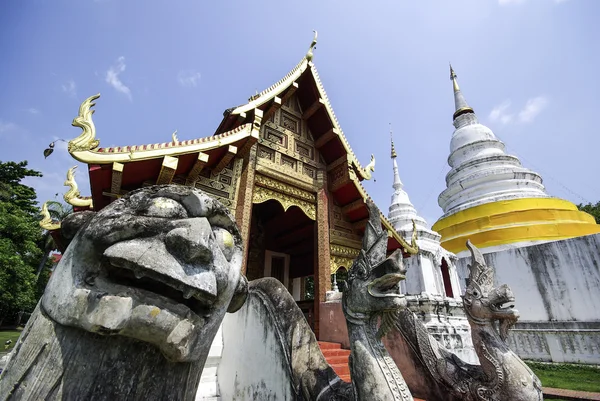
[(290, 122), (285, 141), (223, 185)]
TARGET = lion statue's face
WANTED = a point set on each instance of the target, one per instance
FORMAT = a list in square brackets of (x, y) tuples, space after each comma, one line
[(161, 265)]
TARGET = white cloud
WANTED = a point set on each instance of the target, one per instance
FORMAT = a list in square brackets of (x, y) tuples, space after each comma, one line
[(33, 110), (500, 113), (70, 88), (533, 107), (7, 127), (188, 78), (112, 77)]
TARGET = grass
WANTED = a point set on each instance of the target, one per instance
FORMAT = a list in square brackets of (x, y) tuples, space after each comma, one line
[(6, 335), (567, 376)]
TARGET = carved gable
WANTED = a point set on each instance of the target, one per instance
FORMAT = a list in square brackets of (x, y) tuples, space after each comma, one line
[(287, 145)]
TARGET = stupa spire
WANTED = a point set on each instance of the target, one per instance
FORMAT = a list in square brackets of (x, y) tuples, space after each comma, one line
[(402, 213), (460, 104), (397, 182)]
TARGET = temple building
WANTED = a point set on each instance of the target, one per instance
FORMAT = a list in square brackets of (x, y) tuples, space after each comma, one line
[(492, 199), (282, 165)]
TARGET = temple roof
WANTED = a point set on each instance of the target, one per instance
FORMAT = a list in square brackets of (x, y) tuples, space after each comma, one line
[(235, 135)]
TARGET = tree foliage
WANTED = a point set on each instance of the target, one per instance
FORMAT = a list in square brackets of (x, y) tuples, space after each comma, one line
[(593, 209), (20, 240)]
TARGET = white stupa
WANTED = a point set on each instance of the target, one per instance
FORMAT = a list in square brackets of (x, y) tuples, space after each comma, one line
[(491, 199)]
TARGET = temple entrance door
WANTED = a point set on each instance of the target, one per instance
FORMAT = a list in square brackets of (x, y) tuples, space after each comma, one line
[(277, 265), (282, 245)]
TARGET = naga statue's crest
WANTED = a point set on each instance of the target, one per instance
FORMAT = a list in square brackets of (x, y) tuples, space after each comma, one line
[(373, 291), (485, 303), (373, 284)]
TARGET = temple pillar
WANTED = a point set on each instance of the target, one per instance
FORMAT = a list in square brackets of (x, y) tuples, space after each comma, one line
[(322, 275), (243, 210)]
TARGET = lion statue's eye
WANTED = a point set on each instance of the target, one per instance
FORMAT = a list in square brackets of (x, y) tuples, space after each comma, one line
[(165, 207), (225, 241)]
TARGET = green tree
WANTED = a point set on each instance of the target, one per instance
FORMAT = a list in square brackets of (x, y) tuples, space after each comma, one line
[(20, 240), (592, 209)]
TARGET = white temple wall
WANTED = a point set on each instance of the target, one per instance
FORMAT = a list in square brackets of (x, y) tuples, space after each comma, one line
[(253, 365), (557, 292), (553, 281)]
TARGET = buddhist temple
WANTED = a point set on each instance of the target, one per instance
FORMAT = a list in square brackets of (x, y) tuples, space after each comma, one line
[(492, 199), (280, 163)]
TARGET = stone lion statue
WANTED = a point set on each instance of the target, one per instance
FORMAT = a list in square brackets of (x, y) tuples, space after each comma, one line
[(132, 308)]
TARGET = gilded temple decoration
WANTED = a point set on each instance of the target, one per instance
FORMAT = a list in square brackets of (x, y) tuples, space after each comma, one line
[(344, 251), (47, 223), (339, 261), (87, 140), (309, 53), (261, 195), (270, 183), (366, 172), (72, 196)]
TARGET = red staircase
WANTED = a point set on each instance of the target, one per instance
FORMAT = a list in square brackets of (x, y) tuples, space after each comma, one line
[(337, 358)]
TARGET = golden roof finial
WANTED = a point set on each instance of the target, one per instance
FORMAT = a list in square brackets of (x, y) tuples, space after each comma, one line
[(47, 223), (87, 140), (394, 155), (72, 196), (453, 79), (309, 53)]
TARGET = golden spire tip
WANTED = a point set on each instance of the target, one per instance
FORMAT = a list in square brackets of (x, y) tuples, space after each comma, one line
[(394, 155)]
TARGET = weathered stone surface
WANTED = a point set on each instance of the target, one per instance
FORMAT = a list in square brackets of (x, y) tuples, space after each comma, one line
[(270, 352), (132, 308)]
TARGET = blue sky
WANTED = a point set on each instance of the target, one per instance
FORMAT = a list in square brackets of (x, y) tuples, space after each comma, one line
[(529, 68)]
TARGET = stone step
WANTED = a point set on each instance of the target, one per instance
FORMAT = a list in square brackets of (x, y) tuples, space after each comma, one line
[(328, 345), (345, 378), (335, 360), (341, 369), (335, 352)]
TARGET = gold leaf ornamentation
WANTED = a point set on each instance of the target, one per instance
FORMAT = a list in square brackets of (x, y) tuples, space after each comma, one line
[(87, 140), (72, 196), (261, 195), (344, 251), (339, 261), (47, 223), (269, 183)]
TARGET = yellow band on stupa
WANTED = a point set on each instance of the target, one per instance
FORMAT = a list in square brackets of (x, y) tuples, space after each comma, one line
[(511, 221)]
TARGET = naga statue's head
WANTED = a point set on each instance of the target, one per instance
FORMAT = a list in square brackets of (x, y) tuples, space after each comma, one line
[(160, 265), (484, 303), (373, 283)]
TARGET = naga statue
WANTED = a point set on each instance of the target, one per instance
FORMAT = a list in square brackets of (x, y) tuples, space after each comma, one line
[(133, 306), (501, 375), (370, 294)]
